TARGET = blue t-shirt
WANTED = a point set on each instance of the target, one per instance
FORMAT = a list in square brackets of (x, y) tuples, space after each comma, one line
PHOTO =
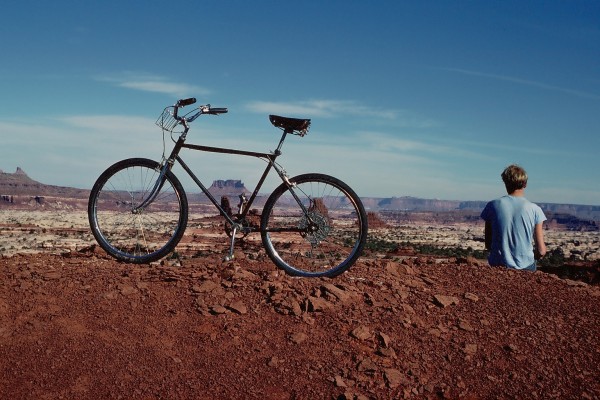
[(513, 221)]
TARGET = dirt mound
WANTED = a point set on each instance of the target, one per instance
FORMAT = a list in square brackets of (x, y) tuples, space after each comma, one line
[(81, 325)]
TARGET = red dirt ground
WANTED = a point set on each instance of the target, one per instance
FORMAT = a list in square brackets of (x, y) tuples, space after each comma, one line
[(83, 326)]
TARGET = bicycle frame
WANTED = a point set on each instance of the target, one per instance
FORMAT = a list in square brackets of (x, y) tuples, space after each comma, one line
[(245, 205)]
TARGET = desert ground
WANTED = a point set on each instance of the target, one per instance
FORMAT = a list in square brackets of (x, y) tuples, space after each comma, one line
[(77, 324), (33, 231)]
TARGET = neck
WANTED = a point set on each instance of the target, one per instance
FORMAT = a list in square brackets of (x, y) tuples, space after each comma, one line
[(518, 193)]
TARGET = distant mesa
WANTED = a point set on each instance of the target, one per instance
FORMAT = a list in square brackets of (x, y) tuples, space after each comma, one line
[(19, 190), (227, 187), (416, 204), (19, 177)]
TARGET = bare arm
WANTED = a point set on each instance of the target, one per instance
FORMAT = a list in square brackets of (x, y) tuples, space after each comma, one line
[(538, 237), (488, 235)]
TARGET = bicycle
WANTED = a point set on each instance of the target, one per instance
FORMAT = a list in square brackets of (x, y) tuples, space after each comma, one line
[(311, 225)]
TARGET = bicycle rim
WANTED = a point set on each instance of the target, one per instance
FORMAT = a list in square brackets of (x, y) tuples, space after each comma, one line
[(324, 237), (126, 230)]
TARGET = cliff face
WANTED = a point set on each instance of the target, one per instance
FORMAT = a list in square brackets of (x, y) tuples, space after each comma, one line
[(416, 204), (413, 204), (581, 211)]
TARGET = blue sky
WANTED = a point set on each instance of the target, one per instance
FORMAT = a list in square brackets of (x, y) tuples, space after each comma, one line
[(408, 98)]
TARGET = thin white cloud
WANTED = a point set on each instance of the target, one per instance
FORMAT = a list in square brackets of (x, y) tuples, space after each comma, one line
[(527, 82), (153, 83), (431, 149), (407, 119), (498, 147), (110, 124), (321, 108)]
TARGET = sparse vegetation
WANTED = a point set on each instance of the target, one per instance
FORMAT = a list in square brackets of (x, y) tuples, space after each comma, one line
[(380, 245), (388, 246), (427, 249), (553, 259)]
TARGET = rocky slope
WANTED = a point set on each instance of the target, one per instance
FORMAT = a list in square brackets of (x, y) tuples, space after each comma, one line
[(81, 325)]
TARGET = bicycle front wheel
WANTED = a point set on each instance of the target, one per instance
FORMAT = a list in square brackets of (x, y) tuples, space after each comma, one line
[(316, 227), (128, 220)]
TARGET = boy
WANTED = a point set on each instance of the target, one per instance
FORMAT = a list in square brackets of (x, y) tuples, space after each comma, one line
[(512, 224)]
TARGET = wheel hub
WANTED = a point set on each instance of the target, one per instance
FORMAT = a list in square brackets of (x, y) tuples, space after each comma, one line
[(315, 227)]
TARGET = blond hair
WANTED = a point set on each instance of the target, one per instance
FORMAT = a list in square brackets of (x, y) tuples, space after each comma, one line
[(514, 178)]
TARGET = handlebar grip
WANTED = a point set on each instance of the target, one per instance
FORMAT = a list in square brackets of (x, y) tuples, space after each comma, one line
[(218, 110), (186, 102)]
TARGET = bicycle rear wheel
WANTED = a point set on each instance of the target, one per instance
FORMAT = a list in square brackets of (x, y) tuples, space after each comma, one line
[(123, 226), (316, 228)]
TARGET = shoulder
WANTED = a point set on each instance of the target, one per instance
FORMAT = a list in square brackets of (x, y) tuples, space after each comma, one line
[(532, 205), (537, 211), (499, 202), (490, 209)]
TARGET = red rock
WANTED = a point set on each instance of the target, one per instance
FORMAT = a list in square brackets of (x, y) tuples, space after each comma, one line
[(445, 301), (239, 307), (361, 333), (298, 337)]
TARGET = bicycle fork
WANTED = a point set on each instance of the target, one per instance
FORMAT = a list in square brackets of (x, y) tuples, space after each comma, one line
[(153, 192)]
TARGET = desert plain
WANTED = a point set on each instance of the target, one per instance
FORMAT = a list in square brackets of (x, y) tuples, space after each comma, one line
[(57, 231)]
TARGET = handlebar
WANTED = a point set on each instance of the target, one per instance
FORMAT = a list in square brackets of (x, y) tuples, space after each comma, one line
[(215, 111), (205, 109), (169, 119), (185, 102)]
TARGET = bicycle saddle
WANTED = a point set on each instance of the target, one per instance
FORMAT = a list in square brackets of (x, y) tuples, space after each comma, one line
[(291, 125)]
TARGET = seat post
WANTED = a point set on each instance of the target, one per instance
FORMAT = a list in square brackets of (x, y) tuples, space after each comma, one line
[(285, 132)]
